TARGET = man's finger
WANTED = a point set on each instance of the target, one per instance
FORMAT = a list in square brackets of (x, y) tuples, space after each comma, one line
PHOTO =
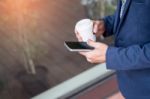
[(89, 60), (92, 43), (83, 53), (95, 26), (86, 54)]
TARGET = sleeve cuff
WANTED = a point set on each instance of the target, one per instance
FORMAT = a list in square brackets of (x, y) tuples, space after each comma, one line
[(110, 57)]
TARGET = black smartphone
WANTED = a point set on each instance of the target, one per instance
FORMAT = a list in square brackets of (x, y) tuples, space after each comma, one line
[(77, 46)]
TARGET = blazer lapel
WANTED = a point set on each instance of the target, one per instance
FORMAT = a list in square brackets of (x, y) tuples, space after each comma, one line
[(124, 14)]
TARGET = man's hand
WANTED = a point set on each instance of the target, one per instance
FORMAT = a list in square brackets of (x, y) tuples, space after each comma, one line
[(98, 55), (98, 29)]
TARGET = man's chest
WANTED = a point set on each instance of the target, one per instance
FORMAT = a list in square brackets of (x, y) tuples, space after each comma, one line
[(135, 27)]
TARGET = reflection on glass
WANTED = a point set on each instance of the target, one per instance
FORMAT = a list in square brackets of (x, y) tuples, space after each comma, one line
[(32, 38)]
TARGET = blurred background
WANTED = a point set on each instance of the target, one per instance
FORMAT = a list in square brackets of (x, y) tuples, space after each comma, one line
[(32, 34)]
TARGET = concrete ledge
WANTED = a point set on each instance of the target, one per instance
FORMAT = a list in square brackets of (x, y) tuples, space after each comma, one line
[(76, 83)]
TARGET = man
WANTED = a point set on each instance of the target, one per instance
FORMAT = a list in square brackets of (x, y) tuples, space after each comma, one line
[(130, 56)]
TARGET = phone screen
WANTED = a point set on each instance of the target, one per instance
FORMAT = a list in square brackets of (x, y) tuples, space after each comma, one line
[(78, 46)]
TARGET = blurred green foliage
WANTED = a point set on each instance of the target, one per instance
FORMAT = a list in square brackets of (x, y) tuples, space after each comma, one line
[(97, 9), (109, 9)]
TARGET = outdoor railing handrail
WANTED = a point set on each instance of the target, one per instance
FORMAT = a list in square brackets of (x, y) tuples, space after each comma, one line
[(76, 83)]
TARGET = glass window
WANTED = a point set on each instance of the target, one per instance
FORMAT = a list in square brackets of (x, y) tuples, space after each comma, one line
[(33, 58)]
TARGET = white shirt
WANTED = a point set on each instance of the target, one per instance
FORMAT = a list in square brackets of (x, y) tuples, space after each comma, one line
[(122, 7)]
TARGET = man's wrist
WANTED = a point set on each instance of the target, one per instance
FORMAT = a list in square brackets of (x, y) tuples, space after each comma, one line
[(106, 53)]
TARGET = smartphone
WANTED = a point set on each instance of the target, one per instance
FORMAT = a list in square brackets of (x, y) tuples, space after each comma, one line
[(77, 46)]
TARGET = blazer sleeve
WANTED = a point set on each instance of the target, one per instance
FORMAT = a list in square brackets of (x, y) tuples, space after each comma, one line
[(109, 24), (130, 58)]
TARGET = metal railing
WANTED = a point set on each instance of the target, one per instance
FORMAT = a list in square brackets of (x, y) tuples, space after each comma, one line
[(76, 84)]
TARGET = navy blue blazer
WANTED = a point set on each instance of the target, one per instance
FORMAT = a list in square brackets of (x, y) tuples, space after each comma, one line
[(130, 56)]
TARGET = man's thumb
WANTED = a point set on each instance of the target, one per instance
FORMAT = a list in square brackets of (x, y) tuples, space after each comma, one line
[(92, 43)]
